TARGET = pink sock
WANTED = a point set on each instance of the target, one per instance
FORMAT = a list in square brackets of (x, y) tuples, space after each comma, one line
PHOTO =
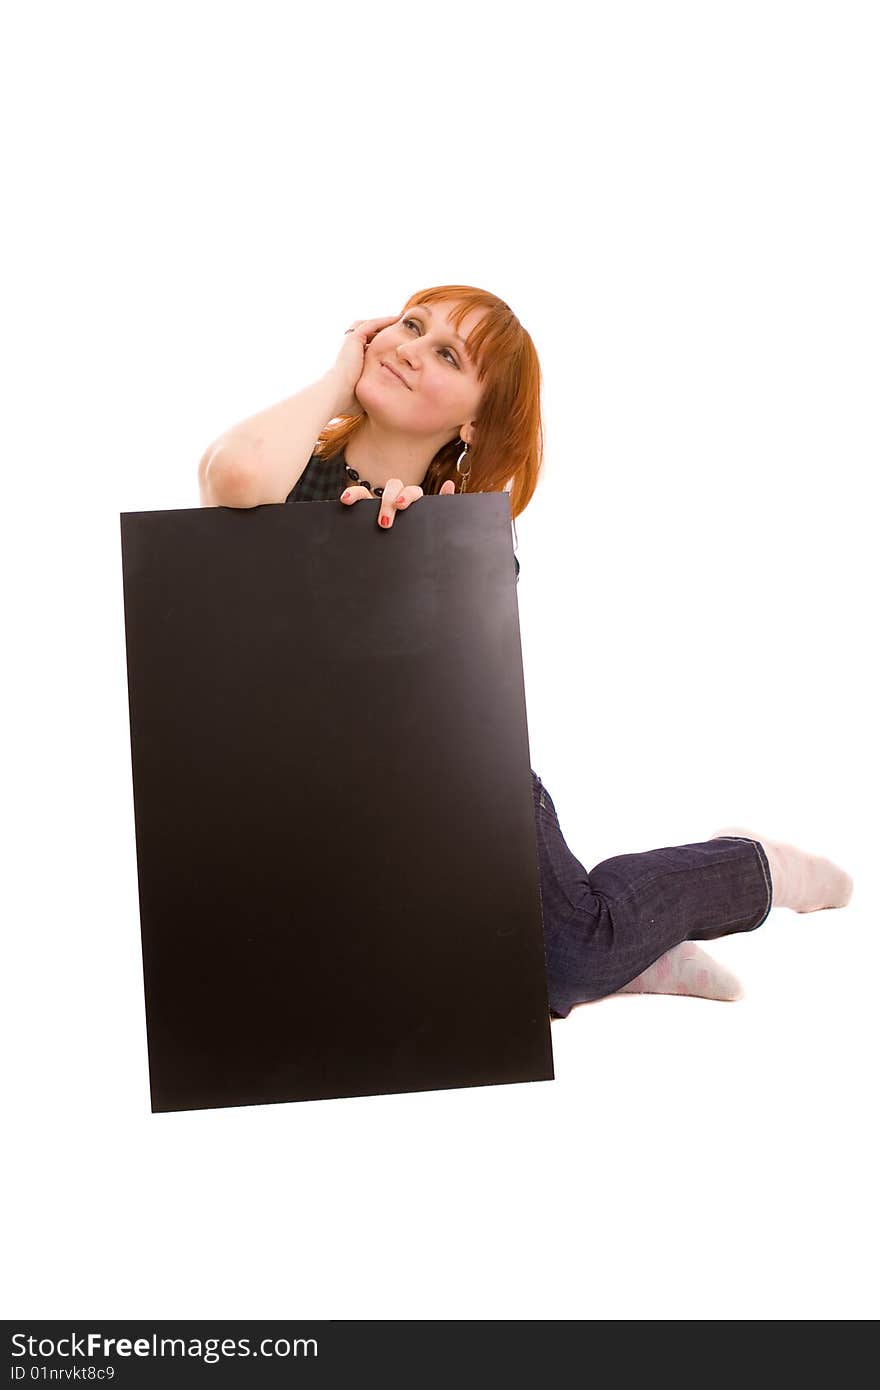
[(686, 969)]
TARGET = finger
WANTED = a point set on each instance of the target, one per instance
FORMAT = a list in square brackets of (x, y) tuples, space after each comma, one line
[(374, 325), (366, 329), (447, 489), (388, 505), (354, 494), (411, 493)]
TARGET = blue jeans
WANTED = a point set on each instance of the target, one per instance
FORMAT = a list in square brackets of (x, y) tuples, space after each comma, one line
[(603, 928)]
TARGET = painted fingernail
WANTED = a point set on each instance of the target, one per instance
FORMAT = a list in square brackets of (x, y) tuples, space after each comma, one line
[(385, 521), (345, 496), (400, 501)]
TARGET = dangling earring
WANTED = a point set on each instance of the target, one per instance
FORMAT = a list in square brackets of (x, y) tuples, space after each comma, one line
[(461, 472)]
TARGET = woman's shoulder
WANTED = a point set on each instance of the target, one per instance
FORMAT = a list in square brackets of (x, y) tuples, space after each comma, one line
[(322, 480)]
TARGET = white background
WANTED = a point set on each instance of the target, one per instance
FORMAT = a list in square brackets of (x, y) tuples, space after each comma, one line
[(680, 202)]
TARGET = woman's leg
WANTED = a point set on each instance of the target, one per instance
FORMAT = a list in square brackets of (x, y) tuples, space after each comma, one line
[(605, 930), (801, 881), (628, 925)]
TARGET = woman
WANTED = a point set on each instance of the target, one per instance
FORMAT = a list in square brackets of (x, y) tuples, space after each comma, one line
[(445, 397)]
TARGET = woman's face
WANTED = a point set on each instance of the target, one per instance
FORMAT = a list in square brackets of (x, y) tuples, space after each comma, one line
[(435, 392)]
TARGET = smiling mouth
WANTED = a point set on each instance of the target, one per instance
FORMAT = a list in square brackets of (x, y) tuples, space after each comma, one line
[(395, 374)]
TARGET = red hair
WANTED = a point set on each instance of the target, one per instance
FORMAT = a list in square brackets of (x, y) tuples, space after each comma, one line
[(508, 440)]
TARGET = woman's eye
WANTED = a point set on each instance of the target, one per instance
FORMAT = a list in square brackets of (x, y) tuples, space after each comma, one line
[(449, 355)]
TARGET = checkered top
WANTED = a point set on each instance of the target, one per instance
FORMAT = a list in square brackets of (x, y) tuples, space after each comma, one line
[(325, 480)]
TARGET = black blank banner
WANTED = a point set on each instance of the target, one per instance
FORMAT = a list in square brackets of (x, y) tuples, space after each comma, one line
[(336, 851)]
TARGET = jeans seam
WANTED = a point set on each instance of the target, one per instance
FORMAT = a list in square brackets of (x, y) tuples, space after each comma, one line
[(765, 870)]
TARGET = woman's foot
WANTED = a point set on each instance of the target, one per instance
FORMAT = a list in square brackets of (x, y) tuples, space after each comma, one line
[(801, 881), (686, 970)]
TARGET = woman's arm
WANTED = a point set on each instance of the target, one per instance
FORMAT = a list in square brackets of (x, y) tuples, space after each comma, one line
[(264, 457)]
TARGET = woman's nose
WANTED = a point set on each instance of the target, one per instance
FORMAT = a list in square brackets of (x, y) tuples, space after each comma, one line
[(405, 353)]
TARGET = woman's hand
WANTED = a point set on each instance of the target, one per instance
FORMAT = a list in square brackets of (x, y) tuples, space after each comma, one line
[(395, 497), (349, 364)]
